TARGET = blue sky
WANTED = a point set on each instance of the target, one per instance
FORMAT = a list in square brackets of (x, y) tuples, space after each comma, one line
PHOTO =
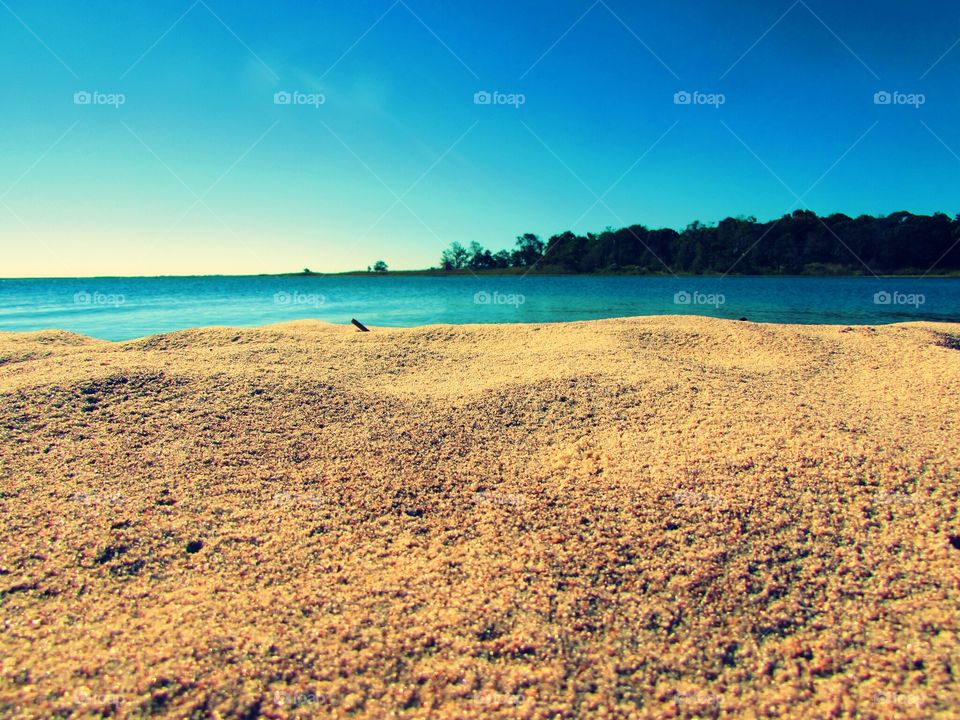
[(199, 170)]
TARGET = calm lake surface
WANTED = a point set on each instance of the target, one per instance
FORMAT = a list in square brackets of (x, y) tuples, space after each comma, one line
[(125, 308)]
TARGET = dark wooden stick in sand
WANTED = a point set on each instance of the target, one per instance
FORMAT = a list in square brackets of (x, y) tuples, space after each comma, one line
[(360, 325)]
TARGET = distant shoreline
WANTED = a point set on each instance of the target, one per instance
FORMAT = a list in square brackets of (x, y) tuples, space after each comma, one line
[(508, 272)]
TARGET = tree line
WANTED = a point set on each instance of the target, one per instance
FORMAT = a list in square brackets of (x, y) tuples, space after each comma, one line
[(798, 243)]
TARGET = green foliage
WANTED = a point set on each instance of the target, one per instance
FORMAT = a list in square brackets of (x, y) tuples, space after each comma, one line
[(455, 257), (798, 243)]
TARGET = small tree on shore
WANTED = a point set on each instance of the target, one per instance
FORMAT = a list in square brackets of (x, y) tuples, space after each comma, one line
[(454, 258), (380, 266)]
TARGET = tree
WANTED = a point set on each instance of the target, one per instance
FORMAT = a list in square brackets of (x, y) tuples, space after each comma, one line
[(800, 242), (501, 259), (480, 259), (380, 266), (529, 250), (455, 257)]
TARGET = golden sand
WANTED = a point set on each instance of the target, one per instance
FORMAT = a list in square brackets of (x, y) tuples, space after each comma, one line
[(661, 517)]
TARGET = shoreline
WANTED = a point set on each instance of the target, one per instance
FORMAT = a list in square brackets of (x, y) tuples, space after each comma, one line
[(947, 326), (521, 272)]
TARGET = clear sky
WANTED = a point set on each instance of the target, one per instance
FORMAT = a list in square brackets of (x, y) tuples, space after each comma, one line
[(183, 162)]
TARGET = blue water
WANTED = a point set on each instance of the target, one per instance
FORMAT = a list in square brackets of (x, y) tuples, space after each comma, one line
[(124, 308)]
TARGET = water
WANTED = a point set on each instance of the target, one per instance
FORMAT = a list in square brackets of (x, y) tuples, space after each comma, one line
[(124, 308)]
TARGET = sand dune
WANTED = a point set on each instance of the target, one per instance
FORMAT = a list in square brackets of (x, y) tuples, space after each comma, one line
[(660, 517)]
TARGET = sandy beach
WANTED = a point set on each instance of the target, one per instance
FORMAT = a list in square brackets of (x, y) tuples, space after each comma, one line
[(644, 518)]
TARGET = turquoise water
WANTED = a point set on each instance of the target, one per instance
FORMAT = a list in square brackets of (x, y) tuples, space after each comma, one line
[(124, 308)]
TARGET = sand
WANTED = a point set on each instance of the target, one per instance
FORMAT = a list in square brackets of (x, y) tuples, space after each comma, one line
[(657, 517)]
